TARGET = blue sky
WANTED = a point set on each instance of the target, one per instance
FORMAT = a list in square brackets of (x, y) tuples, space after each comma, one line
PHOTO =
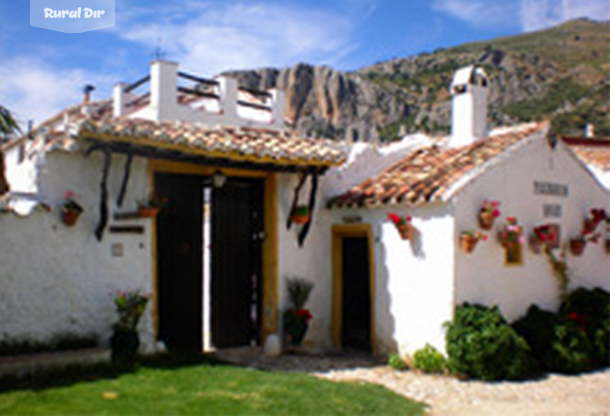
[(43, 71)]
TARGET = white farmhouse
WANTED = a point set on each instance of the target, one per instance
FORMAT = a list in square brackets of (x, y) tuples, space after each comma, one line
[(216, 259)]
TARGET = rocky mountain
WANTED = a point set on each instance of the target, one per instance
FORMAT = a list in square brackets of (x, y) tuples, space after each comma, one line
[(562, 73)]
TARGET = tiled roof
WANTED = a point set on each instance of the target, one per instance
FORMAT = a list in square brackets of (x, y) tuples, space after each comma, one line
[(234, 143), (594, 152), (254, 145), (431, 173)]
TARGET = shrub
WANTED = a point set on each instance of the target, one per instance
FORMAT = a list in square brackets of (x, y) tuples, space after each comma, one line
[(396, 362), (429, 360), (590, 308), (481, 345), (558, 344)]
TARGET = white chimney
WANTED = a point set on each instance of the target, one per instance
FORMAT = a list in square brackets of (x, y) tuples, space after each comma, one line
[(163, 89), (278, 100), (228, 98), (119, 99), (469, 90)]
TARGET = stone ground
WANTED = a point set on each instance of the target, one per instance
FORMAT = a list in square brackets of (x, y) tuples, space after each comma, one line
[(587, 394)]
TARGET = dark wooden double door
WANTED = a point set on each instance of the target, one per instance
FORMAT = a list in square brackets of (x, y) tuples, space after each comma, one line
[(235, 248)]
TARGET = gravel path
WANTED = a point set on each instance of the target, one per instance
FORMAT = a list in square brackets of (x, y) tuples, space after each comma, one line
[(587, 394)]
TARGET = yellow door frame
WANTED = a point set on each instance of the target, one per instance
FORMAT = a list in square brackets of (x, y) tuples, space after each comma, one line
[(338, 233), (270, 243)]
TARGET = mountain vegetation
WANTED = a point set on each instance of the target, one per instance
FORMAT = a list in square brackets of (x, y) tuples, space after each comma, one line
[(561, 74)]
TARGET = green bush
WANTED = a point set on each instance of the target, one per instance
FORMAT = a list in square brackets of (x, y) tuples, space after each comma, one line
[(590, 308), (429, 360), (482, 345), (559, 344), (396, 362)]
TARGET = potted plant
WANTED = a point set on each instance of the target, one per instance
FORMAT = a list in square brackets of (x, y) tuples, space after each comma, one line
[(70, 209), (300, 214), (125, 340), (595, 217), (541, 236), (488, 213), (469, 240), (403, 225), (511, 234), (296, 318), (577, 245), (149, 208)]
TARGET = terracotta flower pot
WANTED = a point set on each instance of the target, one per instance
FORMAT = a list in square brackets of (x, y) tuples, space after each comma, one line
[(468, 243), (70, 216), (148, 212), (300, 219), (589, 226), (405, 231), (486, 220), (577, 247)]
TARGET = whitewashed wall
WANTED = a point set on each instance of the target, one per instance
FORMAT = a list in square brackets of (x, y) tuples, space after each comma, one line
[(58, 280), (482, 276)]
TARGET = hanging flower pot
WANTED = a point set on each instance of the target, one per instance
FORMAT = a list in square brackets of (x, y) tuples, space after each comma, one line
[(577, 246), (511, 235), (300, 215), (535, 243), (469, 240), (148, 212), (406, 231), (488, 213), (70, 216), (70, 209)]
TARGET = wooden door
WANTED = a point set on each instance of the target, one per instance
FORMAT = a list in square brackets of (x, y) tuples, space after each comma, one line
[(237, 232), (179, 261)]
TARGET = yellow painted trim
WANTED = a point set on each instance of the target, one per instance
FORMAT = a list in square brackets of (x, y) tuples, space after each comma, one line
[(203, 170), (270, 260), (338, 233), (191, 150)]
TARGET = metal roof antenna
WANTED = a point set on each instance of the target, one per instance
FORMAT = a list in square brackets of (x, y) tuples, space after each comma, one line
[(159, 53)]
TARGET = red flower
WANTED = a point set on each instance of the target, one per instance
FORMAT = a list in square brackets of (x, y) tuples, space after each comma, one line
[(304, 314), (394, 218)]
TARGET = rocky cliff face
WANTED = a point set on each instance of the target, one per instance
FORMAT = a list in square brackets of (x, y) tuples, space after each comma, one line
[(562, 74)]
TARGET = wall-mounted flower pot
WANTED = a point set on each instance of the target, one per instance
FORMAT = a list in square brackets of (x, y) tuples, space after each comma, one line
[(535, 244), (486, 220), (405, 231), (468, 243), (70, 216), (577, 247), (148, 212), (300, 215)]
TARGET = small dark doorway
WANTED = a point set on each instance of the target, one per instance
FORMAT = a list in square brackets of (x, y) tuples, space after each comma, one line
[(356, 295), (237, 234), (179, 261)]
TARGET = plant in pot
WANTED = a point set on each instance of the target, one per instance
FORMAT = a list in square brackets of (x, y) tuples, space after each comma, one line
[(595, 217), (125, 340), (469, 240), (541, 237), (70, 209), (488, 213), (511, 234), (578, 245), (296, 318), (403, 225), (149, 208), (300, 214)]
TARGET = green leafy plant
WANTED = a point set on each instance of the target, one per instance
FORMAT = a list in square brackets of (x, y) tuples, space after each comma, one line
[(130, 306), (590, 308), (559, 344), (70, 203), (481, 345), (397, 362), (429, 360), (152, 203), (296, 318)]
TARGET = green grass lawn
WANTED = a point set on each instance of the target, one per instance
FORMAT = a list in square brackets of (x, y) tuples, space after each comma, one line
[(200, 389)]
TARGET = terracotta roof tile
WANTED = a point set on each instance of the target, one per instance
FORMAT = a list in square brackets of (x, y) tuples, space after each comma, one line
[(592, 151), (429, 173), (233, 143)]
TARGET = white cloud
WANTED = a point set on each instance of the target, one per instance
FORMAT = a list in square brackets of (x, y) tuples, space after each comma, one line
[(479, 13), (237, 36), (33, 90), (540, 14)]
